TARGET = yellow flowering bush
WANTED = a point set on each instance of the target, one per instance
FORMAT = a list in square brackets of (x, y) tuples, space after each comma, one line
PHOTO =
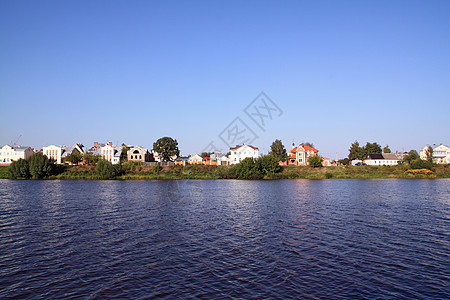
[(419, 171)]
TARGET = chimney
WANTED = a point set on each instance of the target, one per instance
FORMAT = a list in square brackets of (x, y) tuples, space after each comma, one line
[(95, 144), (110, 143)]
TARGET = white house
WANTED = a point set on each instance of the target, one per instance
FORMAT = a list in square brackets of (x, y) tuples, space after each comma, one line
[(8, 154), (111, 153), (384, 159), (441, 154), (53, 152), (238, 153)]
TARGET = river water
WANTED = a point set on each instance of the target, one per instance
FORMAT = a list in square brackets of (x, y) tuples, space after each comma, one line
[(225, 239)]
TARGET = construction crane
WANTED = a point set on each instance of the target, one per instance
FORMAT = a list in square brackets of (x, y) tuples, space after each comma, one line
[(15, 143)]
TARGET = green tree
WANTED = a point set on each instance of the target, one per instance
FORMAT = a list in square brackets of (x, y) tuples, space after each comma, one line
[(124, 154), (41, 166), (412, 155), (308, 144), (356, 152), (278, 151), (386, 149), (90, 159), (247, 169), (344, 161), (421, 164), (267, 165), (429, 154), (205, 154), (315, 161), (106, 170), (19, 169), (372, 148), (75, 157), (167, 148)]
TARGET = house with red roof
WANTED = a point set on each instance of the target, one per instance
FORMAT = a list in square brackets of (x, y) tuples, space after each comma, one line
[(299, 155)]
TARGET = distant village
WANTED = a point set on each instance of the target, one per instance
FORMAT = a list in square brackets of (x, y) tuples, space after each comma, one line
[(295, 156)]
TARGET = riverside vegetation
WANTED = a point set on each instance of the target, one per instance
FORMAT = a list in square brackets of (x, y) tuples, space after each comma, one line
[(265, 167)]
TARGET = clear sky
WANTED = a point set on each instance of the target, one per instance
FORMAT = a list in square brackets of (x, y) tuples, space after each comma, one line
[(134, 71)]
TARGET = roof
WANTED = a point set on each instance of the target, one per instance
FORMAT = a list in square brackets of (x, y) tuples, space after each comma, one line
[(206, 158), (375, 156), (305, 147), (239, 146)]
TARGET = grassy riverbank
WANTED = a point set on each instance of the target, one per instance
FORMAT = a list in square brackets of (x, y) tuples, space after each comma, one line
[(142, 172)]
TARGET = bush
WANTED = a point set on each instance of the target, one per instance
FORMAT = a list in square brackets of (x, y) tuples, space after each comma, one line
[(106, 170), (157, 168), (19, 169), (247, 169), (40, 166), (421, 164), (328, 175), (268, 165), (315, 161)]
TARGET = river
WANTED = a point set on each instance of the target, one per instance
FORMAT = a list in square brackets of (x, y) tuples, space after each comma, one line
[(225, 239)]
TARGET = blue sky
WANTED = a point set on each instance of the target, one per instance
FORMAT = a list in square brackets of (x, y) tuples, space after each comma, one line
[(134, 71)]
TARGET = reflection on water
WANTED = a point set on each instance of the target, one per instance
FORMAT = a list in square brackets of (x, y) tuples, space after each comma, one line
[(314, 239)]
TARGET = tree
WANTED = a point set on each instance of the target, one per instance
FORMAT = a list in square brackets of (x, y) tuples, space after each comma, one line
[(41, 166), (421, 164), (106, 170), (344, 161), (411, 156), (372, 148), (278, 151), (90, 159), (167, 148), (247, 169), (386, 149), (356, 152), (308, 144), (75, 158), (19, 169), (429, 154), (205, 154), (124, 154), (268, 165), (315, 161)]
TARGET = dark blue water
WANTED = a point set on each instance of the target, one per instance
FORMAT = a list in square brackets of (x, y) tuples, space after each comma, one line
[(323, 239)]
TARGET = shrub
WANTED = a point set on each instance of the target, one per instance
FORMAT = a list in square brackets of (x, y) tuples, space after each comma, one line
[(19, 169), (419, 172), (421, 164), (40, 166), (157, 168), (267, 165), (106, 170), (315, 161), (247, 169), (328, 175)]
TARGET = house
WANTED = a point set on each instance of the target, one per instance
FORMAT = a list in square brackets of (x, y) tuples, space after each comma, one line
[(111, 153), (181, 160), (66, 151), (54, 152), (441, 154), (139, 154), (219, 158), (384, 159), (195, 159), (8, 153), (240, 152), (299, 155)]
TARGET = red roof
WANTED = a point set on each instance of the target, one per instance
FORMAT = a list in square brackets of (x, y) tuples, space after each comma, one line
[(306, 148), (206, 158), (239, 146)]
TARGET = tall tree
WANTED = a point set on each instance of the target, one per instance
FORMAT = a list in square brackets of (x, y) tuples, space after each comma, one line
[(205, 154), (308, 144), (372, 148), (315, 161), (356, 152), (123, 154), (278, 151), (19, 169), (429, 154), (167, 148), (386, 149)]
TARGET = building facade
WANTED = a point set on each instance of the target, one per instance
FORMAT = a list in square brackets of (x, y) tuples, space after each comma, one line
[(299, 155), (384, 159), (53, 152), (8, 154), (139, 154), (441, 154), (238, 153)]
